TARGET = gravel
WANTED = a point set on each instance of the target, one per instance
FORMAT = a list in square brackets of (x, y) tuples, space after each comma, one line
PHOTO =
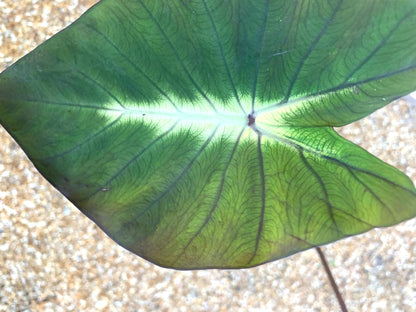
[(52, 258)]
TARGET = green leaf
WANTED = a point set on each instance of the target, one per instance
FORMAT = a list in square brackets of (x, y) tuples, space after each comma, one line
[(198, 134)]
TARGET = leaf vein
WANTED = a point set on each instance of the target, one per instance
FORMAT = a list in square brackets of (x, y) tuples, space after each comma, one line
[(263, 199), (164, 94), (308, 53), (86, 140), (218, 196), (191, 79), (323, 187), (132, 160), (256, 73), (221, 48), (378, 47), (180, 176)]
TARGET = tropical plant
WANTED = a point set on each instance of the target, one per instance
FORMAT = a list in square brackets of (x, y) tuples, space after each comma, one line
[(199, 134)]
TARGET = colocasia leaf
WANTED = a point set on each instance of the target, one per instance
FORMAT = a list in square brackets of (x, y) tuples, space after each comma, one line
[(198, 134)]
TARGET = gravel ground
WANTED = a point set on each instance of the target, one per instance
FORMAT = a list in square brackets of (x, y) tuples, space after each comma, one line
[(52, 258)]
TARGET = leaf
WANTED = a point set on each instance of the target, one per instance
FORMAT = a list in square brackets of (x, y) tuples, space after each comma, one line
[(198, 134)]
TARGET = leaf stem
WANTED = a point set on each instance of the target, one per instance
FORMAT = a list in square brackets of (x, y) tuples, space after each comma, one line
[(332, 280)]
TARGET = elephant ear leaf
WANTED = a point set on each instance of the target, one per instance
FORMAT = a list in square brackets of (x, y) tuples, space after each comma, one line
[(198, 134)]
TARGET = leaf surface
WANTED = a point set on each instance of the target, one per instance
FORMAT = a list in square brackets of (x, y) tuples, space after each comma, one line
[(198, 134)]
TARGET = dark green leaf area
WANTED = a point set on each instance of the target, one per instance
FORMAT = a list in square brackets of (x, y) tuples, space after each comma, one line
[(197, 134)]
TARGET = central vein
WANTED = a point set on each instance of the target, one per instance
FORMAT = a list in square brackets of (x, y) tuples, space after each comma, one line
[(225, 118)]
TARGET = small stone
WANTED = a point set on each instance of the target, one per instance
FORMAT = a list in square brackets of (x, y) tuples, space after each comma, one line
[(101, 304)]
